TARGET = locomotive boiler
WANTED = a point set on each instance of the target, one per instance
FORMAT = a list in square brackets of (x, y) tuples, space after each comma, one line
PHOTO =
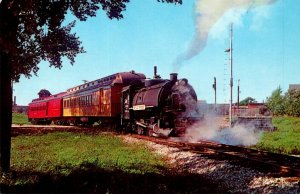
[(159, 107)]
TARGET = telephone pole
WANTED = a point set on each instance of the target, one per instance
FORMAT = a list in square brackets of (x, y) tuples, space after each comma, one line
[(238, 95), (215, 89), (231, 78)]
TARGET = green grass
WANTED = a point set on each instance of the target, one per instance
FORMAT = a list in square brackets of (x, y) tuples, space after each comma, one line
[(20, 118), (60, 152), (63, 153), (286, 139)]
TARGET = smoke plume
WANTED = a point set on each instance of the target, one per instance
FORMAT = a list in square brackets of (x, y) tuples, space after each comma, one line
[(207, 13), (209, 130)]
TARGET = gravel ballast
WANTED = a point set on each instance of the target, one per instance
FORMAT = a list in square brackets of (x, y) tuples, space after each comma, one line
[(233, 178)]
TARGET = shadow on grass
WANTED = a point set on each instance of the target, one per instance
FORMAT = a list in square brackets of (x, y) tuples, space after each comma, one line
[(91, 179)]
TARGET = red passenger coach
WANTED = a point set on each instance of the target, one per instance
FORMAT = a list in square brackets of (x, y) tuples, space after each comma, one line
[(37, 110), (45, 110)]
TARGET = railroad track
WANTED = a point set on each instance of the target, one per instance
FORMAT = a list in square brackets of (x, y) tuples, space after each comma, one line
[(277, 164)]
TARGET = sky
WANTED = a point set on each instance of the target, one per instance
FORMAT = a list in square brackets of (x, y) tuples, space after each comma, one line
[(189, 39)]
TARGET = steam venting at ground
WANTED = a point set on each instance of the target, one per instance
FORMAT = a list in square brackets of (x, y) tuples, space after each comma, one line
[(209, 130), (207, 14)]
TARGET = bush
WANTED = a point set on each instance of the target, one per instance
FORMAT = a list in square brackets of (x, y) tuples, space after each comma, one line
[(288, 104)]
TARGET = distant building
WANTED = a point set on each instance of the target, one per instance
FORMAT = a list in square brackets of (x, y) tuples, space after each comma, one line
[(20, 108), (294, 87), (218, 109)]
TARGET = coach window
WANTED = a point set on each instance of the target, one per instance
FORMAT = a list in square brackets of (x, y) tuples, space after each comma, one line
[(86, 100), (82, 101), (93, 99)]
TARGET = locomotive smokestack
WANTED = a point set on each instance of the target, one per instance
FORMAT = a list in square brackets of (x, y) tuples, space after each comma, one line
[(155, 72), (173, 76)]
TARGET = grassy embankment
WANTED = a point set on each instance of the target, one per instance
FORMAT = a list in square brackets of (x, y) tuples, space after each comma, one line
[(74, 162), (20, 118), (62, 152), (286, 139)]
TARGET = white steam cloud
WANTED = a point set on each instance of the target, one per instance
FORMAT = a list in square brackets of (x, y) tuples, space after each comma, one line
[(207, 14), (209, 130)]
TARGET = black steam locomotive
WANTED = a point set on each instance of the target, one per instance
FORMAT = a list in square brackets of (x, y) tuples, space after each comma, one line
[(159, 107)]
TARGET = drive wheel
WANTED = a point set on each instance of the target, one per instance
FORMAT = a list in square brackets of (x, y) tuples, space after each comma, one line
[(140, 130)]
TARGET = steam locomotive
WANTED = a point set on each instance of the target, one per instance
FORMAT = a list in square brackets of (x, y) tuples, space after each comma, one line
[(127, 100)]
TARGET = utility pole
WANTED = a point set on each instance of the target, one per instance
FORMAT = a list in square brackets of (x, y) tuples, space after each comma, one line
[(238, 94), (215, 89), (231, 78)]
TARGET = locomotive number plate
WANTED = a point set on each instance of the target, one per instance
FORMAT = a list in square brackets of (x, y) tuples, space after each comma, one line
[(139, 107)]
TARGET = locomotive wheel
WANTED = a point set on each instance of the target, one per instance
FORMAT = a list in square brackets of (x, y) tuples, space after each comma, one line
[(149, 133), (140, 130), (33, 121)]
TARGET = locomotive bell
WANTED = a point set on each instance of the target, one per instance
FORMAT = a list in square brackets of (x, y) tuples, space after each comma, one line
[(173, 76)]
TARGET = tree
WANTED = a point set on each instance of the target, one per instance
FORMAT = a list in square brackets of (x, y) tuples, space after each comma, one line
[(276, 102), (292, 103), (32, 31), (247, 100)]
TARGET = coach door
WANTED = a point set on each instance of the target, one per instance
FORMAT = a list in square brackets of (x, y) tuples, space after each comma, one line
[(47, 105)]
